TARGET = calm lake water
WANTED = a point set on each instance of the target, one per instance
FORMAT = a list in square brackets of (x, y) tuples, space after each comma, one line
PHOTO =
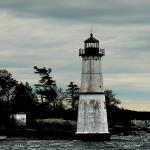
[(136, 142)]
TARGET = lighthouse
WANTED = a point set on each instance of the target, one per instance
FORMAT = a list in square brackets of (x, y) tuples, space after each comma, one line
[(92, 121)]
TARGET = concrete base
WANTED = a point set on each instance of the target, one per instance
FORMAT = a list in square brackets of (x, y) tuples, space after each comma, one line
[(93, 137), (92, 115)]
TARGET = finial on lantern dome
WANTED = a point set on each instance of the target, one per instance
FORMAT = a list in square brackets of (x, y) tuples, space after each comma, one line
[(91, 31)]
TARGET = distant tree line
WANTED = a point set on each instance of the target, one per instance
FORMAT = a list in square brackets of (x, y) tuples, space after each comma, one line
[(42, 100), (46, 100)]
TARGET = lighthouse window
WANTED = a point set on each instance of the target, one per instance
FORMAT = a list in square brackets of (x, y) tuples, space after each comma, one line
[(91, 45)]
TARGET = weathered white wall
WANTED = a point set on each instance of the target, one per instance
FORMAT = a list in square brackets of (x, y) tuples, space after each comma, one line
[(92, 78), (92, 115)]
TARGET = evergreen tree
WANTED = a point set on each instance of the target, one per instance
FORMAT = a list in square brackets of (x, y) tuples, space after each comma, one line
[(61, 99), (46, 88), (111, 100), (24, 100), (73, 95), (7, 85)]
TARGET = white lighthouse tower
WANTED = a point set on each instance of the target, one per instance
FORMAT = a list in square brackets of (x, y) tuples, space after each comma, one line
[(92, 115)]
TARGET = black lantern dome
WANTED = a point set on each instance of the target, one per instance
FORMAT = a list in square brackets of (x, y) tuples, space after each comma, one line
[(91, 47), (91, 42)]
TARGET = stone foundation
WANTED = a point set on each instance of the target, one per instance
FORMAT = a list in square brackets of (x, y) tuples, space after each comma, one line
[(93, 137)]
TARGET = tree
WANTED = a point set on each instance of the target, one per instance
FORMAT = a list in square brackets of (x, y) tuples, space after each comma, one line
[(116, 115), (24, 99), (46, 88), (7, 85), (61, 99), (73, 94), (111, 100)]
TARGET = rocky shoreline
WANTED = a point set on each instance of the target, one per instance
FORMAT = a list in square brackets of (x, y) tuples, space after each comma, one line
[(59, 135), (61, 129)]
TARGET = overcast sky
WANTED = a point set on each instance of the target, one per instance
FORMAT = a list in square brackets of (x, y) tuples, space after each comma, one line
[(50, 32)]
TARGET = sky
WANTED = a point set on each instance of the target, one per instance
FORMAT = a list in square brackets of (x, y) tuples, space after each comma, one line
[(50, 33)]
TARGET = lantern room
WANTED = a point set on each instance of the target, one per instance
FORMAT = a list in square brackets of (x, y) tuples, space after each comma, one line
[(91, 48), (91, 43)]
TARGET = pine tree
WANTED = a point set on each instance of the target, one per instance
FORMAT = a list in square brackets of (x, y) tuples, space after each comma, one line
[(46, 88), (24, 100), (7, 85), (73, 94), (111, 100)]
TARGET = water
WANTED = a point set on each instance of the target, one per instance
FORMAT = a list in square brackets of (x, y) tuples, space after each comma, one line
[(136, 142)]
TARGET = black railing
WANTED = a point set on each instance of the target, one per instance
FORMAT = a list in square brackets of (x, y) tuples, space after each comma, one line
[(102, 51), (81, 52)]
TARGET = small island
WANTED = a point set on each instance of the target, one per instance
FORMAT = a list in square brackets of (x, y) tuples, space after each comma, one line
[(38, 112)]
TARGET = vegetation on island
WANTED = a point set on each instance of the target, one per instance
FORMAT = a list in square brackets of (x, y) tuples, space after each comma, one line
[(46, 100)]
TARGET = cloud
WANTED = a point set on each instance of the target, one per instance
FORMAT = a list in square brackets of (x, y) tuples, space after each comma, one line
[(24, 39), (49, 33), (136, 106), (111, 11), (136, 81), (129, 87)]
